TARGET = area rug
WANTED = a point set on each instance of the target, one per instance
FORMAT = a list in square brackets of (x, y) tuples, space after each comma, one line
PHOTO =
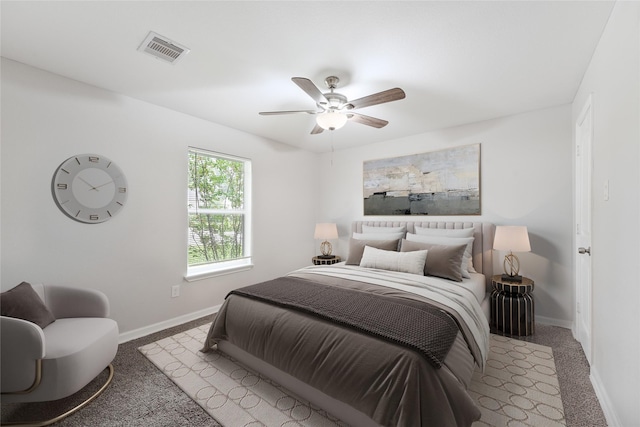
[(519, 386)]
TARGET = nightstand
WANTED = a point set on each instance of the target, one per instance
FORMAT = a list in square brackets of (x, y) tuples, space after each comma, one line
[(318, 260), (512, 308)]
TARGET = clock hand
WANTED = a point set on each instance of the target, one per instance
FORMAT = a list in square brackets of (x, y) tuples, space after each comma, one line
[(107, 183), (92, 187), (102, 185)]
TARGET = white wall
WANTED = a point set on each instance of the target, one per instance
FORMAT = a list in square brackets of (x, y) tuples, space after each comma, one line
[(613, 77), (137, 256), (526, 179)]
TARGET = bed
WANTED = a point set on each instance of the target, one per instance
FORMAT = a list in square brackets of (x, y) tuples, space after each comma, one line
[(358, 368)]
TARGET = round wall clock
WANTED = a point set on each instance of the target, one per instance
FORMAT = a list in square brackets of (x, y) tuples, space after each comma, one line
[(89, 188)]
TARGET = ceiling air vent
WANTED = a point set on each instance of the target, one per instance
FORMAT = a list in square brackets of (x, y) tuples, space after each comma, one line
[(163, 48)]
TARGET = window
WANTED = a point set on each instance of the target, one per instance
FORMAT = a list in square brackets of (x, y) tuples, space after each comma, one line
[(219, 202)]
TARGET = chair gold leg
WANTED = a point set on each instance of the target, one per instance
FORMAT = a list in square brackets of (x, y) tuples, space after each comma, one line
[(70, 411)]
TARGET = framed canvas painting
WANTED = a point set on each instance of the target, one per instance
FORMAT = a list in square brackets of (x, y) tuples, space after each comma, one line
[(444, 182)]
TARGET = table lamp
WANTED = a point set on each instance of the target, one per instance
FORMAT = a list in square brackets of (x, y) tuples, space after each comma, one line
[(326, 231), (512, 238)]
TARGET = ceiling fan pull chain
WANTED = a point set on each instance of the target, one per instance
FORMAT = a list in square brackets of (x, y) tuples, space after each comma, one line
[(331, 133)]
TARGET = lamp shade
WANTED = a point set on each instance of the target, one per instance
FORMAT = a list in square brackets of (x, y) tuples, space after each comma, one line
[(514, 238), (331, 120), (326, 231)]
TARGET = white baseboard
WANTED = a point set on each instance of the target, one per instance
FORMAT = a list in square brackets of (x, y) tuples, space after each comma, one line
[(157, 327), (603, 398), (568, 324)]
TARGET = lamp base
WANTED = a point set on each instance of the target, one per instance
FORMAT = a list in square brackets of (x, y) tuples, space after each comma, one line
[(325, 248), (509, 278)]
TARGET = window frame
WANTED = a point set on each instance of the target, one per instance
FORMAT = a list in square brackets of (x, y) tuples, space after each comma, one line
[(217, 268)]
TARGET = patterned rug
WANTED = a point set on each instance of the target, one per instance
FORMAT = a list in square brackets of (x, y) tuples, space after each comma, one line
[(518, 388)]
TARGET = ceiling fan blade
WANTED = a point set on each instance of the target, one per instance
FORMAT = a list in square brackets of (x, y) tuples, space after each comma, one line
[(377, 98), (366, 120), (316, 130), (311, 89), (273, 113)]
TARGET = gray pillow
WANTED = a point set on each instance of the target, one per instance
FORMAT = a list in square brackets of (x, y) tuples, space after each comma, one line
[(442, 260), (449, 241), (22, 302), (356, 248)]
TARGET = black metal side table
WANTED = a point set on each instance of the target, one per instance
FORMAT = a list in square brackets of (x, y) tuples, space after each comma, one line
[(512, 306), (318, 260)]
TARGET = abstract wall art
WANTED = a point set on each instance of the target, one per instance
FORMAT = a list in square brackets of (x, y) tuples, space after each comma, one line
[(444, 182)]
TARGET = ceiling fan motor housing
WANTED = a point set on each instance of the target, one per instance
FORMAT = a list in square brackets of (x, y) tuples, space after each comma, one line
[(336, 101)]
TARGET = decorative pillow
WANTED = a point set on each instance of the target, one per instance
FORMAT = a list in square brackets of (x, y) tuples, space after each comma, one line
[(356, 248), (406, 262), (443, 260), (451, 241), (374, 229), (22, 302), (450, 232)]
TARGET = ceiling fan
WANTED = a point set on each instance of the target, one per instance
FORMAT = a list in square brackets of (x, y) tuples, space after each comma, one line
[(334, 109)]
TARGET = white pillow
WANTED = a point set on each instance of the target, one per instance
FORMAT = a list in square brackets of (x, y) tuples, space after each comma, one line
[(374, 229), (452, 241), (450, 232), (407, 262), (378, 236)]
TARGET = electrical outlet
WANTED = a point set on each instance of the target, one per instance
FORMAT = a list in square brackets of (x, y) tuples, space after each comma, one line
[(606, 190), (175, 291)]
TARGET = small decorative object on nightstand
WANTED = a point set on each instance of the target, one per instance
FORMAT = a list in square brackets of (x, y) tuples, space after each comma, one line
[(512, 238), (512, 307), (319, 260), (325, 231)]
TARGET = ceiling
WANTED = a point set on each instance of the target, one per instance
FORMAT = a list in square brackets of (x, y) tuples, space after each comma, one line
[(458, 62)]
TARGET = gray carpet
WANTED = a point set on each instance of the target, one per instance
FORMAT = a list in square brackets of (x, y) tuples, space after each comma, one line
[(141, 395), (581, 407)]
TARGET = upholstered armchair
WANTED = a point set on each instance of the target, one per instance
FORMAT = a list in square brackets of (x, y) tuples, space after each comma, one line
[(57, 360)]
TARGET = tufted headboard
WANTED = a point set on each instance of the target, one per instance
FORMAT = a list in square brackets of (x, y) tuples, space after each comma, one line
[(482, 243)]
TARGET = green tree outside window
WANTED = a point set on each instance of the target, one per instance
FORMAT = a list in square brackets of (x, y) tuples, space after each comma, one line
[(216, 205)]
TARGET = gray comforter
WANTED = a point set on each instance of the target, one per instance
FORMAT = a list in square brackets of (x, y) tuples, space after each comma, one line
[(393, 385)]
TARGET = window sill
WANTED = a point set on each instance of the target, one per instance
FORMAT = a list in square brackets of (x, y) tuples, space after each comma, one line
[(206, 274)]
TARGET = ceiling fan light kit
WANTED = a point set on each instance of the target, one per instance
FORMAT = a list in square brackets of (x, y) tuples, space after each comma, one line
[(331, 120), (334, 109)]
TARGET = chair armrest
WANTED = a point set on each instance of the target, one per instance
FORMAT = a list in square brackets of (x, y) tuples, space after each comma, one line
[(21, 344), (21, 336), (67, 302)]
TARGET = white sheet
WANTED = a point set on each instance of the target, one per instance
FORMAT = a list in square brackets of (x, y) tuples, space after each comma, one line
[(477, 284)]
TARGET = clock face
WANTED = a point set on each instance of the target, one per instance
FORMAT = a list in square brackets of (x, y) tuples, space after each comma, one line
[(89, 188)]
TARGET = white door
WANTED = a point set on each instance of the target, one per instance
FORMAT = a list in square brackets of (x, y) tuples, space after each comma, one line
[(584, 137)]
